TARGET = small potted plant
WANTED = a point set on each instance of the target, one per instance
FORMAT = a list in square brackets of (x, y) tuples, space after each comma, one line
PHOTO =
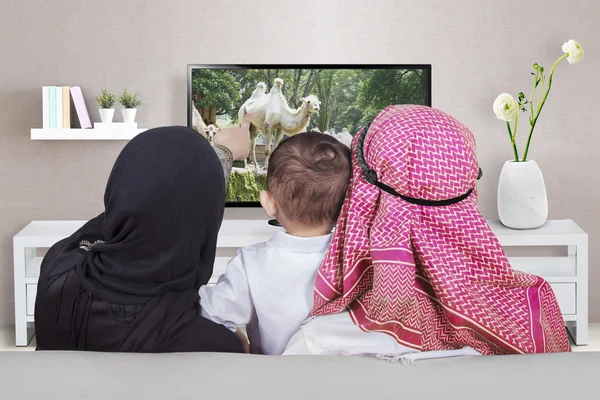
[(130, 103), (106, 101)]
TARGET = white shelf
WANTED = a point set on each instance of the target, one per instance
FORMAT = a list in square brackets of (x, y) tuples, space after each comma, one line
[(563, 232), (32, 270), (85, 134), (44, 234), (553, 269)]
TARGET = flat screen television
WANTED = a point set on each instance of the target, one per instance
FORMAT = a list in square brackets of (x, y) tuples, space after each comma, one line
[(332, 99)]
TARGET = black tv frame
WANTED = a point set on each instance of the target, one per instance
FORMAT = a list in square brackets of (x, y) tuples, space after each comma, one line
[(191, 67)]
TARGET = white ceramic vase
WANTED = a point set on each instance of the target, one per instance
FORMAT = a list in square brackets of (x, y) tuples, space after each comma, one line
[(107, 115), (129, 114), (522, 199)]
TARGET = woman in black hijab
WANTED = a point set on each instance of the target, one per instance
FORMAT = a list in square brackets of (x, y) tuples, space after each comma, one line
[(128, 279)]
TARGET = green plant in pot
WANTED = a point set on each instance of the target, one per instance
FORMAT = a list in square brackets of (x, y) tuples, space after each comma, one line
[(130, 102), (522, 199), (106, 101)]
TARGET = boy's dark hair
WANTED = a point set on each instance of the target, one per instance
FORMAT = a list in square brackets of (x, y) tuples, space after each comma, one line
[(308, 176)]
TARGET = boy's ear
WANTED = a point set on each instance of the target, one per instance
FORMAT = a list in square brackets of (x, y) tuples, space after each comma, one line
[(268, 203)]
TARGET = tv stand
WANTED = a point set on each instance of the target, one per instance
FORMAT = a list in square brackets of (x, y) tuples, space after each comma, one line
[(274, 222), (567, 274)]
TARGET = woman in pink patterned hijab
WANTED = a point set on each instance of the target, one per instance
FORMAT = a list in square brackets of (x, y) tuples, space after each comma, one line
[(413, 267)]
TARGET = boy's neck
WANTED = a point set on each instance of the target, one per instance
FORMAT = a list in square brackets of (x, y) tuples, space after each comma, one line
[(304, 231)]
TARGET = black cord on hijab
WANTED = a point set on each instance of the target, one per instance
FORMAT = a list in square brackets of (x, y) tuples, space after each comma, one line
[(370, 176), (150, 250)]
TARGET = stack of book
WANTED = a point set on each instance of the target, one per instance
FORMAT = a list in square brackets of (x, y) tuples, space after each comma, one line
[(56, 102)]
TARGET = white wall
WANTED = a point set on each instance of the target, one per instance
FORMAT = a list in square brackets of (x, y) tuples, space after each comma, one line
[(477, 48)]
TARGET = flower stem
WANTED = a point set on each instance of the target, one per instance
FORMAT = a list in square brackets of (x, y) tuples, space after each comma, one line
[(512, 141), (542, 89), (533, 93), (541, 105)]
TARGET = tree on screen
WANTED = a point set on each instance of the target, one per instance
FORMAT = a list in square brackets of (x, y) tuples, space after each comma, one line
[(384, 87), (214, 92)]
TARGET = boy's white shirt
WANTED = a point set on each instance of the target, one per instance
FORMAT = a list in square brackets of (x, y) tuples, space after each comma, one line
[(268, 286)]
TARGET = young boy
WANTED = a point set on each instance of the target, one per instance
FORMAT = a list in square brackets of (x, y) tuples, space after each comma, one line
[(270, 286)]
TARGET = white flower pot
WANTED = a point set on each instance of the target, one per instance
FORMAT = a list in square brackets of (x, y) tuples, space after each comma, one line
[(106, 115), (522, 200), (129, 114)]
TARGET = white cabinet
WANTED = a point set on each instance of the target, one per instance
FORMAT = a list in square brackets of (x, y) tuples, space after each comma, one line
[(31, 292), (566, 295), (567, 274)]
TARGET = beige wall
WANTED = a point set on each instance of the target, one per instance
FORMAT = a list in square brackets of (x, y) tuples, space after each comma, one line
[(477, 48)]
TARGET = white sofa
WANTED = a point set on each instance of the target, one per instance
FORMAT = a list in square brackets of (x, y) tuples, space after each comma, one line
[(196, 376)]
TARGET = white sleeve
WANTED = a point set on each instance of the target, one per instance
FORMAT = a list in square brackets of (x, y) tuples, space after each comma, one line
[(228, 302)]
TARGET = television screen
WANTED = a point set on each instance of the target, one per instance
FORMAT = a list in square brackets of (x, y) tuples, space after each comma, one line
[(291, 99)]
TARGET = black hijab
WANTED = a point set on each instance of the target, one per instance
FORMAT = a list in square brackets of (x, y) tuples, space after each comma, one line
[(153, 246)]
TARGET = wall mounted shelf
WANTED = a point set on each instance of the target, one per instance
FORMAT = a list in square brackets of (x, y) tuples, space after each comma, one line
[(86, 134)]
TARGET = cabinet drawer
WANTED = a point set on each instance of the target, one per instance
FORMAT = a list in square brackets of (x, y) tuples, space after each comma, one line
[(566, 295), (31, 293)]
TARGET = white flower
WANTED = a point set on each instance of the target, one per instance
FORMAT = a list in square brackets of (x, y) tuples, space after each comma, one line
[(506, 107), (573, 48)]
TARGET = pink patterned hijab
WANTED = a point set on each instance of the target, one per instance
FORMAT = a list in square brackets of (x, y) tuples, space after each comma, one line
[(412, 256)]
